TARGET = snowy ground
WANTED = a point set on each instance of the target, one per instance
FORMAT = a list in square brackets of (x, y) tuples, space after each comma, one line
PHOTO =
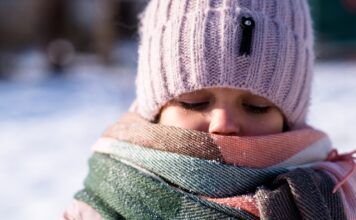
[(47, 126)]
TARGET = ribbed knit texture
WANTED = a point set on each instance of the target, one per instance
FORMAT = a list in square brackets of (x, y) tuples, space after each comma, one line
[(187, 45)]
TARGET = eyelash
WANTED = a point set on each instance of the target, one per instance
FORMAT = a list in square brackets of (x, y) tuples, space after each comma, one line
[(200, 106), (256, 109)]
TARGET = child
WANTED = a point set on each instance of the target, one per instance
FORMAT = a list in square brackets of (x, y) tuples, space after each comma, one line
[(218, 129)]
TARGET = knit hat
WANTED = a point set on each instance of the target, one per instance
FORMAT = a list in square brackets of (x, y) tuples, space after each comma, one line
[(265, 47)]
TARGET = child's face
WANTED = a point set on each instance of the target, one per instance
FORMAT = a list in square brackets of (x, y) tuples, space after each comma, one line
[(223, 111)]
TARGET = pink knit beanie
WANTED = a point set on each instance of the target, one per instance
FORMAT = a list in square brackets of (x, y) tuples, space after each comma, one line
[(263, 46)]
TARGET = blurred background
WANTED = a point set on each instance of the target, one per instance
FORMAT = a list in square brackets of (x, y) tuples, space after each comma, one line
[(67, 71)]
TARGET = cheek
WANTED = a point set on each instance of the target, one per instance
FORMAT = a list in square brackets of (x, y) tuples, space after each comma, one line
[(178, 117), (271, 123), (277, 121)]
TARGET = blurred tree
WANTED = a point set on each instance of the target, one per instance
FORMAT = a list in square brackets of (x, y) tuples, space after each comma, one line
[(335, 26), (126, 18), (84, 25), (60, 27), (350, 5), (18, 22)]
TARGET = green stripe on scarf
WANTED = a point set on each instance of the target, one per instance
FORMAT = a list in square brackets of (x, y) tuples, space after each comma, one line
[(113, 187), (203, 177)]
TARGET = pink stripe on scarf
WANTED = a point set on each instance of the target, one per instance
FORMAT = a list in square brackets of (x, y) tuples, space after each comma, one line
[(245, 202), (265, 151)]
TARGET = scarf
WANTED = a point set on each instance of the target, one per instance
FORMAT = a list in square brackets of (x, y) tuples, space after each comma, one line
[(141, 170)]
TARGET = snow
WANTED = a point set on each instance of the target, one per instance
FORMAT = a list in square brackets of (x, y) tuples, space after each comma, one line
[(333, 105), (47, 126)]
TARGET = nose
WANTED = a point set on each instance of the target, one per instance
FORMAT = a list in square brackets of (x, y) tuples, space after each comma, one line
[(223, 122)]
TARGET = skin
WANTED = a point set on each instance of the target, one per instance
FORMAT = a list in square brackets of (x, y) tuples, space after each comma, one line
[(223, 111)]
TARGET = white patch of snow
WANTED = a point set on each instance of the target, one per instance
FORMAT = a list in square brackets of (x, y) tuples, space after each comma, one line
[(333, 105)]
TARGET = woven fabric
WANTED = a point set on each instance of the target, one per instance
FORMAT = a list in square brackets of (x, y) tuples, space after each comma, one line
[(113, 187), (348, 191), (118, 190), (141, 177), (304, 146), (300, 194), (188, 45)]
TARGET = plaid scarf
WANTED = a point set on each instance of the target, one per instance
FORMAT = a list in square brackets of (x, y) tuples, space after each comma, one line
[(141, 170)]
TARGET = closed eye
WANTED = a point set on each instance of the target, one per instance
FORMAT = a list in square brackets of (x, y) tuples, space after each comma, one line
[(256, 109), (197, 106)]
